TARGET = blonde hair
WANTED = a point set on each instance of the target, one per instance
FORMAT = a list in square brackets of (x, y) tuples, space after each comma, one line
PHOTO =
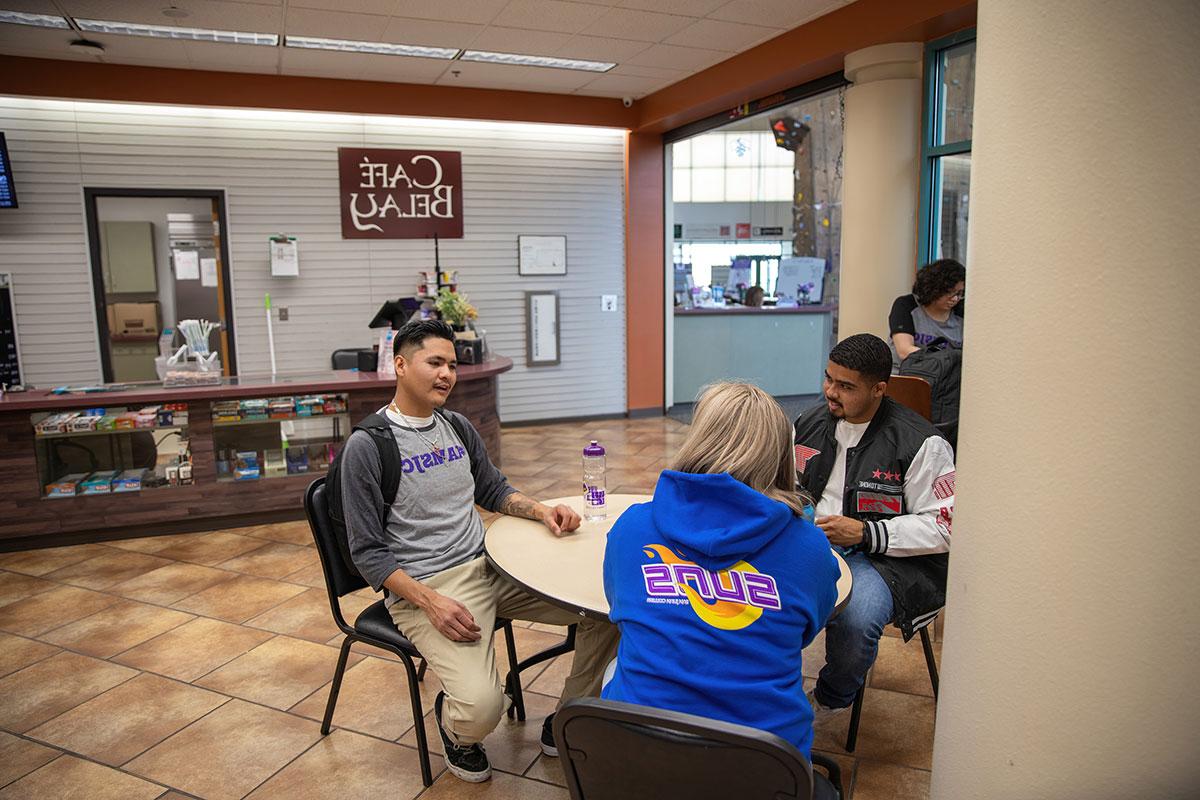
[(740, 429)]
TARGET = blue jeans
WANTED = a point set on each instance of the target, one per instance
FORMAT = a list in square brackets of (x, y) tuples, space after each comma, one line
[(852, 637)]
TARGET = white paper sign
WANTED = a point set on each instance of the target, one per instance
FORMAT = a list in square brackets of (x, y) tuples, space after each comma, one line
[(795, 273), (285, 258), (187, 265), (208, 272), (544, 317), (543, 255)]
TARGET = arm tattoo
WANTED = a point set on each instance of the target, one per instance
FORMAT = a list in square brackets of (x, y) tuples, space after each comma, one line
[(518, 505)]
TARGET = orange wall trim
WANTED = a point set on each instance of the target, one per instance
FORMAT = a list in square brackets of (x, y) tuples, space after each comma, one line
[(644, 280), (38, 77)]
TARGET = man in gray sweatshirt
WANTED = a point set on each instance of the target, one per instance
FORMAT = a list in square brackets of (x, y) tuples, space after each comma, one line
[(428, 555)]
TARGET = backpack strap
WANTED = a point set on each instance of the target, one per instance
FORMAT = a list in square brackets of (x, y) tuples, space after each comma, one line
[(380, 430)]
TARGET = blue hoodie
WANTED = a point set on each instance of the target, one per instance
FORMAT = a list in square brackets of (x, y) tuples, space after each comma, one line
[(716, 589)]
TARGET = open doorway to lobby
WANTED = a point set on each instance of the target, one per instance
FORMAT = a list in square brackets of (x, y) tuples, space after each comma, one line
[(158, 257), (753, 226)]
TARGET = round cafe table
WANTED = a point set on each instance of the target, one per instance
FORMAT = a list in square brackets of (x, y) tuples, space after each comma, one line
[(568, 570)]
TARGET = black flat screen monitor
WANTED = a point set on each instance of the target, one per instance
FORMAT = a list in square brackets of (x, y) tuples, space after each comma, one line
[(8, 192)]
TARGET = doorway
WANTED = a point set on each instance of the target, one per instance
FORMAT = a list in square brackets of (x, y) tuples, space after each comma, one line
[(158, 256)]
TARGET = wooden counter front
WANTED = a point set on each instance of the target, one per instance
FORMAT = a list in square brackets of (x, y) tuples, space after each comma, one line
[(29, 520)]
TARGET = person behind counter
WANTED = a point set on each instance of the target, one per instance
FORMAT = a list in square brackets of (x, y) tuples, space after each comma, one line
[(754, 297), (718, 583), (932, 310)]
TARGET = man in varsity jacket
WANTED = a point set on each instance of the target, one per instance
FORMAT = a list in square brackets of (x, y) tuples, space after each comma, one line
[(883, 480), (425, 549)]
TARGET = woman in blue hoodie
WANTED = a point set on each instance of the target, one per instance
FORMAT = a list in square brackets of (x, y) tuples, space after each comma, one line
[(718, 583)]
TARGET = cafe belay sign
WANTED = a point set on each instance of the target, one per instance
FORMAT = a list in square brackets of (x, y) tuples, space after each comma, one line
[(400, 194)]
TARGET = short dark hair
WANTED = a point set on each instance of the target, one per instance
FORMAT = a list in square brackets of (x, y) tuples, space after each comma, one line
[(412, 334), (938, 279), (864, 353)]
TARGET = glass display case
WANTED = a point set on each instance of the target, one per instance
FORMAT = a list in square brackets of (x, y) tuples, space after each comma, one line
[(274, 437), (112, 450)]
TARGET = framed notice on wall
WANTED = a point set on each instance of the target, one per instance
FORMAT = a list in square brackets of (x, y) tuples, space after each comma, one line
[(541, 329), (10, 355), (541, 255)]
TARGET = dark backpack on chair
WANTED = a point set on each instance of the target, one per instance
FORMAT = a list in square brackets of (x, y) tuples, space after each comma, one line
[(380, 430), (940, 365)]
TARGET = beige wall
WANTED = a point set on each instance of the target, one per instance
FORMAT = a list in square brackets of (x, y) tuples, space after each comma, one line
[(880, 187), (1073, 629)]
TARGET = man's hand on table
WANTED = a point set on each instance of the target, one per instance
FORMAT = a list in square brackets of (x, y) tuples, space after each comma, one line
[(842, 531), (451, 618), (560, 519)]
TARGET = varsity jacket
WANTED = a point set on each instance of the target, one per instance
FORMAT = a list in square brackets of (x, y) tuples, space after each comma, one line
[(900, 482)]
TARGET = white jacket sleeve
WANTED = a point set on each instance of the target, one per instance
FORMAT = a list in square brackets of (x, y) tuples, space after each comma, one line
[(929, 498)]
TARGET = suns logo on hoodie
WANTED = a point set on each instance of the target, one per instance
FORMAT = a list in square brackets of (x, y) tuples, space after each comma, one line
[(731, 599)]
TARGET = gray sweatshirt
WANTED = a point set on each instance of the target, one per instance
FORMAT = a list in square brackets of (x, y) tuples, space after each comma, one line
[(433, 524)]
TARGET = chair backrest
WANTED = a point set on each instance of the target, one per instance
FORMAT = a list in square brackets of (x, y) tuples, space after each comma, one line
[(338, 580), (345, 359), (911, 391), (614, 751)]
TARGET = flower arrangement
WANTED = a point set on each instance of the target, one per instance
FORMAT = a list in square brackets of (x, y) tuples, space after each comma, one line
[(454, 307), (804, 290)]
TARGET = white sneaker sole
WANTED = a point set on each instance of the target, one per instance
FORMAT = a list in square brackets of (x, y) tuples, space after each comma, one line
[(463, 775), (549, 750)]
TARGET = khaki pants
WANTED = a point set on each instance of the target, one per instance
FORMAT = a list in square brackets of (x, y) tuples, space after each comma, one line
[(475, 700)]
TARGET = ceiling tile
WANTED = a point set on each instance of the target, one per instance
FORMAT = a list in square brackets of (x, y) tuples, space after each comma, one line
[(621, 85), (596, 48), (642, 26), (785, 14), (430, 33), (320, 63), (504, 76), (31, 6), (334, 24), (548, 15), (717, 35), (217, 14), (687, 8), (232, 57), (381, 7), (520, 40), (26, 40), (117, 48), (479, 12), (672, 57), (401, 69), (636, 71)]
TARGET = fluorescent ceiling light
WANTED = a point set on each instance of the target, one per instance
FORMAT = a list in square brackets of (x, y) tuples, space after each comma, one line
[(381, 48), (536, 61), (41, 20), (169, 32)]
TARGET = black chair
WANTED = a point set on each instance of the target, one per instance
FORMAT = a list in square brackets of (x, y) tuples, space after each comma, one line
[(618, 751), (856, 709), (374, 626), (345, 359)]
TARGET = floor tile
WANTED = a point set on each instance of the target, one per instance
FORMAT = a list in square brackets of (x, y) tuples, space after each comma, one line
[(307, 616), (212, 548), (17, 653), (40, 691), (15, 586), (878, 781), (278, 673), (239, 599), (52, 609), (901, 666), (547, 770), (273, 560), (550, 682), (48, 559), (149, 544), (173, 582), (295, 532), (193, 649), (500, 786), (119, 627), (229, 752), (895, 727), (128, 719), (107, 569), (19, 757), (359, 707), (813, 657), (345, 764), (311, 576), (71, 777)]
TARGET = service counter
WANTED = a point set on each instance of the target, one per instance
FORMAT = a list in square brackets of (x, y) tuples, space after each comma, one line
[(286, 427), (782, 350)]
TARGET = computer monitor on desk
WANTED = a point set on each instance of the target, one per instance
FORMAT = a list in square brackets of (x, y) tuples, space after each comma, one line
[(394, 313)]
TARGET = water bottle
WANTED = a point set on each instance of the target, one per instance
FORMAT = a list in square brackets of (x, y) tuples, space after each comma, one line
[(594, 507)]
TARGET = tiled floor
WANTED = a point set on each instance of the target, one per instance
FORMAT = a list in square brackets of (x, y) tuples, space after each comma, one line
[(197, 665)]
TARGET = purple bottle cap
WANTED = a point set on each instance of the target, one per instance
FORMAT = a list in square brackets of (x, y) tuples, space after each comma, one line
[(593, 449)]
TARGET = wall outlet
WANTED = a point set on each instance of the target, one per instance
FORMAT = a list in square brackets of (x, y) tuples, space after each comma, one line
[(608, 302), (283, 313)]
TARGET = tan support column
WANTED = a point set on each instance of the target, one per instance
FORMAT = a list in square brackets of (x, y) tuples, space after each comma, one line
[(1073, 625), (880, 186)]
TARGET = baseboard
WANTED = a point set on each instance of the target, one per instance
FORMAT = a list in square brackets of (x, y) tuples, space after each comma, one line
[(642, 413)]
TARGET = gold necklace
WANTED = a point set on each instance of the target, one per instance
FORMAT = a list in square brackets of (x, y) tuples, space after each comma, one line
[(434, 444)]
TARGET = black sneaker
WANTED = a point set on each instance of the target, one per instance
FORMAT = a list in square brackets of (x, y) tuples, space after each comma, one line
[(548, 745), (469, 763)]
